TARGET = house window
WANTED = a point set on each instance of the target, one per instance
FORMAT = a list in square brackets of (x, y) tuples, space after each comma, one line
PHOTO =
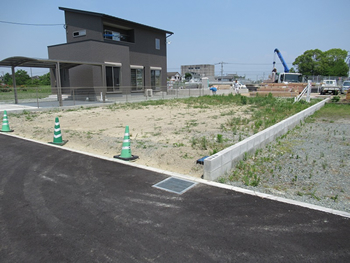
[(156, 79), (157, 43), (119, 34), (79, 33), (113, 78), (109, 34), (137, 79)]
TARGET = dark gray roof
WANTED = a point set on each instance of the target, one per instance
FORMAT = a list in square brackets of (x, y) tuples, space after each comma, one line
[(103, 16), (172, 73), (40, 63)]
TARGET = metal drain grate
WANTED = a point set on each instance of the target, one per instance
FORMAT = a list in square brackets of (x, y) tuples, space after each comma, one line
[(174, 185)]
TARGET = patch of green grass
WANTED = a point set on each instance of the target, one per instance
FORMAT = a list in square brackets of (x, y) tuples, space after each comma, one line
[(334, 198), (141, 144), (251, 179), (89, 135), (204, 143), (219, 138), (214, 151), (24, 93), (186, 156), (222, 180), (312, 194), (332, 111), (335, 99), (228, 113), (178, 144), (28, 115)]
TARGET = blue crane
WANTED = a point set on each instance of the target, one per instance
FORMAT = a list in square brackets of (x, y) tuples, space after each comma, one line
[(286, 69)]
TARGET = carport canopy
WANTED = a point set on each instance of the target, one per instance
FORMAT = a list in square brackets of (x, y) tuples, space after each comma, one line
[(37, 63), (54, 64)]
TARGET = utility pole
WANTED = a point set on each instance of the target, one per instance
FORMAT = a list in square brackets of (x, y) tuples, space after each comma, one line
[(222, 67), (348, 62)]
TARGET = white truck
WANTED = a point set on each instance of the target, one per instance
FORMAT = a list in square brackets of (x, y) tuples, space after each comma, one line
[(329, 86), (287, 77)]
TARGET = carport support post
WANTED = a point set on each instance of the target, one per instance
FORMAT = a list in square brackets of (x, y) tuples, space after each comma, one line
[(14, 84), (104, 85), (58, 81)]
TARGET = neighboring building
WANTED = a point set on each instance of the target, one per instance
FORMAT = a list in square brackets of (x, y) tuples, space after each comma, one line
[(227, 78), (118, 54), (174, 76), (200, 71)]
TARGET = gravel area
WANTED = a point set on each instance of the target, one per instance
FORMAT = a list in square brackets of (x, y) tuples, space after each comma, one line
[(310, 164)]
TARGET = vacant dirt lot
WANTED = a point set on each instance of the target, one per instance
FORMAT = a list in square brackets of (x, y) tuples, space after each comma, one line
[(167, 137)]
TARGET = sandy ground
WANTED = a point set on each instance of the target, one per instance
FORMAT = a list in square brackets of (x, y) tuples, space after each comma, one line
[(166, 137)]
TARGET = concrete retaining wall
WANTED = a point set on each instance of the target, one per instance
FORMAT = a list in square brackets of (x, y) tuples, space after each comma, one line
[(223, 161), (188, 92)]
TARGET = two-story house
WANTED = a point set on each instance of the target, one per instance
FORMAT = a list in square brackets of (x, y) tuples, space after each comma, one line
[(174, 76), (118, 54)]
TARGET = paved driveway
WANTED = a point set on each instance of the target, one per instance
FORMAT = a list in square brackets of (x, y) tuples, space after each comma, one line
[(62, 206)]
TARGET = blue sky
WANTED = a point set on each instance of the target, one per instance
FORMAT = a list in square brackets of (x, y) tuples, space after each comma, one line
[(243, 34)]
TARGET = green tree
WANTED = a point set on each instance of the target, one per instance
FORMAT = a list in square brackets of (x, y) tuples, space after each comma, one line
[(7, 79), (188, 76), (32, 82), (22, 77), (335, 59), (310, 62), (316, 62), (45, 79)]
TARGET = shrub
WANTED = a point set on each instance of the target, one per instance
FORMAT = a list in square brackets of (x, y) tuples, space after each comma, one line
[(335, 99)]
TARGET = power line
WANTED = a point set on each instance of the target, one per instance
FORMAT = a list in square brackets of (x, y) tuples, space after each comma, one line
[(239, 63), (27, 24)]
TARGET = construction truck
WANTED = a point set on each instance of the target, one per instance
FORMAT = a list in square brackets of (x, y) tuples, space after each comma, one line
[(282, 84), (284, 77)]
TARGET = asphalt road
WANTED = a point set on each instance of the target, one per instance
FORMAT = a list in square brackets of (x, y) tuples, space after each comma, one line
[(62, 206)]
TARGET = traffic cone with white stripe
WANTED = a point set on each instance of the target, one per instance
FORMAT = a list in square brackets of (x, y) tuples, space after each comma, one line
[(5, 124), (57, 135), (126, 150)]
